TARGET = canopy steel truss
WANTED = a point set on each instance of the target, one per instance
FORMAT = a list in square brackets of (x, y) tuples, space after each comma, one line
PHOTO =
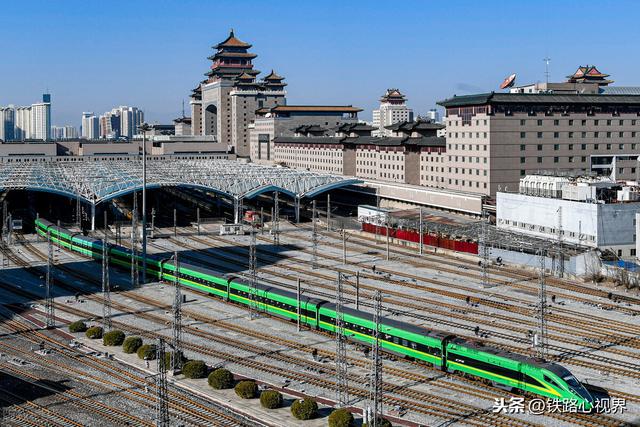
[(100, 180)]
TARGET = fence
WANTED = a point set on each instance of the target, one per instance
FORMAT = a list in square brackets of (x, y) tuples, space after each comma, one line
[(427, 239)]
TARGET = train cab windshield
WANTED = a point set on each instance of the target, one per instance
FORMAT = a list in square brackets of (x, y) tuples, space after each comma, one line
[(577, 388)]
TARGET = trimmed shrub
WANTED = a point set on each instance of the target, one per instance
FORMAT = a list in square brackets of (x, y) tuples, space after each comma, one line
[(247, 389), (382, 422), (147, 351), (341, 418), (167, 361), (271, 399), (113, 338), (304, 409), (131, 344), (220, 379), (77, 326), (195, 369), (94, 332)]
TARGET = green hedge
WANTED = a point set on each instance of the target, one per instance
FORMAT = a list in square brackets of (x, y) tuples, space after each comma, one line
[(77, 326), (271, 399), (113, 338), (247, 389), (341, 418), (220, 379), (304, 409), (131, 344), (195, 369), (94, 332), (147, 351)]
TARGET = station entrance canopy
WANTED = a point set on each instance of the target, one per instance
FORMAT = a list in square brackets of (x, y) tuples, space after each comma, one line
[(97, 180)]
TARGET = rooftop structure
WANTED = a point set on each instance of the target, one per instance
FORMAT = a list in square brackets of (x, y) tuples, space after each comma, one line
[(393, 109), (589, 74)]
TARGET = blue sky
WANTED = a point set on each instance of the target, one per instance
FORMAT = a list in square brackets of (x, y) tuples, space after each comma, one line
[(93, 55)]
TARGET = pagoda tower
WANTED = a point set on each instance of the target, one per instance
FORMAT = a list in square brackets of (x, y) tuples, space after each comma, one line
[(393, 109), (589, 74), (225, 103)]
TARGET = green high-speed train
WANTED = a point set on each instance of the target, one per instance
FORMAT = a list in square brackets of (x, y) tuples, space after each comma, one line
[(443, 350)]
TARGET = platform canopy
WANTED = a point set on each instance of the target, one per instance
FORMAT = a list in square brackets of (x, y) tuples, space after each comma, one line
[(96, 180)]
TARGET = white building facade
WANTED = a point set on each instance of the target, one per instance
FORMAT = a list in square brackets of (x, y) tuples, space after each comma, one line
[(7, 123), (90, 126), (41, 121), (393, 109), (22, 128)]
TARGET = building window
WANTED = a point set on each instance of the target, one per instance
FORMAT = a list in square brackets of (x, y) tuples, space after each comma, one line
[(583, 134), (584, 123), (583, 158), (583, 146), (596, 146), (539, 147), (539, 159), (608, 134), (539, 134), (556, 160), (522, 122), (523, 147), (633, 146), (620, 170), (596, 134), (570, 146), (621, 146), (556, 147), (556, 122), (523, 159), (522, 172), (539, 122), (571, 122), (608, 146), (556, 134), (523, 134), (570, 134), (571, 159), (595, 122), (621, 134)]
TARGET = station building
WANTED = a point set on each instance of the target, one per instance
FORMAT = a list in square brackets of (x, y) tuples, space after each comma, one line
[(581, 125), (588, 211)]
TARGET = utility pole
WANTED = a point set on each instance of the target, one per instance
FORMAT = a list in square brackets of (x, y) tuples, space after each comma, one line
[(358, 290), (261, 220), (276, 220), (153, 222), (134, 243), (176, 358), (253, 267), (560, 256), (377, 217), (5, 228), (314, 238), (162, 403), (106, 286), (375, 377), (328, 212), (484, 241), (540, 338), (298, 301), (78, 217), (175, 222), (342, 384), (421, 231), (50, 311), (198, 219), (344, 247)]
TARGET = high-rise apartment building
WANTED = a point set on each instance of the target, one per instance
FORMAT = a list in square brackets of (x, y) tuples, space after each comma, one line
[(7, 123), (90, 126), (582, 125), (225, 103), (41, 120), (22, 130), (433, 115), (120, 122), (393, 109)]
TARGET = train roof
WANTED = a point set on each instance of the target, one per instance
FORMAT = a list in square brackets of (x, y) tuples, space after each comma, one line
[(479, 346), (420, 330), (279, 291)]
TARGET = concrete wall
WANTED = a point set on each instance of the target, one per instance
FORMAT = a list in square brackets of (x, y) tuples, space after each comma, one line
[(28, 149)]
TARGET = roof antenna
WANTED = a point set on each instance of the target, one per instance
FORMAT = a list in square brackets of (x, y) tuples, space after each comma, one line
[(546, 67), (183, 109)]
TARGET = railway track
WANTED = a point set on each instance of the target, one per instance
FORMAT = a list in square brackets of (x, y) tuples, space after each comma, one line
[(510, 272), (181, 405), (564, 354), (436, 406), (583, 422)]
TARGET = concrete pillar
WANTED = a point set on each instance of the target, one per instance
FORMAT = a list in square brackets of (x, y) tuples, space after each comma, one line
[(297, 208)]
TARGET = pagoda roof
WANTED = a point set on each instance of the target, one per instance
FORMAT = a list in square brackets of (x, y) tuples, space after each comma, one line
[(309, 129), (230, 72), (589, 74), (273, 76), (186, 120), (539, 98), (354, 127), (245, 76), (393, 94), (232, 41), (227, 54), (418, 125)]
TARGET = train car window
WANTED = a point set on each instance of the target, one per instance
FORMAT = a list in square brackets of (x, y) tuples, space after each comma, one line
[(405, 343), (551, 381)]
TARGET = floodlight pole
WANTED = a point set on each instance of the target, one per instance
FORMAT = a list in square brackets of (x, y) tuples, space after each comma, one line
[(144, 127)]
